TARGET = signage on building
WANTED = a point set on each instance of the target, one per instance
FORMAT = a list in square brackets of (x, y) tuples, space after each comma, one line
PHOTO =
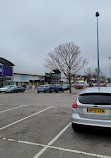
[(53, 74), (47, 74), (50, 74), (52, 77), (5, 70), (24, 77)]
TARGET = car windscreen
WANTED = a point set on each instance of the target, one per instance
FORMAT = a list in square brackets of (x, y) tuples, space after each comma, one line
[(95, 98), (6, 87), (41, 87), (81, 83), (12, 88)]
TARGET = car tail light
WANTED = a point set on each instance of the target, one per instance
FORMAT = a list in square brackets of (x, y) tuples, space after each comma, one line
[(74, 105)]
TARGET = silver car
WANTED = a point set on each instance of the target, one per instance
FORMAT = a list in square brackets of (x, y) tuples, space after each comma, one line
[(43, 88), (92, 108), (4, 89)]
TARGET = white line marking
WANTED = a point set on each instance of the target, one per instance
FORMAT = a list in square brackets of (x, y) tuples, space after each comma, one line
[(25, 118), (51, 142), (23, 142), (79, 152), (56, 148), (24, 105), (11, 109)]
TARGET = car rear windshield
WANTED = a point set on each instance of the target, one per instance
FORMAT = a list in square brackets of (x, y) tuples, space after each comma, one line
[(95, 98)]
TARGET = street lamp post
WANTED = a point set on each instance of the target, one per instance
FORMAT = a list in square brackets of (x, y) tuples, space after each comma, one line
[(97, 15), (110, 70)]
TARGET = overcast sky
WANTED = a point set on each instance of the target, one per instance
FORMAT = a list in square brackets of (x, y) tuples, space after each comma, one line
[(30, 29)]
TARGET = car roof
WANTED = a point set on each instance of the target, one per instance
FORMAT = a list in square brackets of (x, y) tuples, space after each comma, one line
[(43, 85), (97, 90)]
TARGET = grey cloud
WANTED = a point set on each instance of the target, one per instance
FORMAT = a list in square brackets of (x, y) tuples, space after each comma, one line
[(31, 29)]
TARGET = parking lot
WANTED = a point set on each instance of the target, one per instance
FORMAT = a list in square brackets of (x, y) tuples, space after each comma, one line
[(36, 125)]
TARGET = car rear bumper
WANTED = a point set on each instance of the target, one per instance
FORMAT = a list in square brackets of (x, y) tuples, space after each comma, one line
[(78, 87), (91, 122), (52, 90), (2, 91), (40, 90)]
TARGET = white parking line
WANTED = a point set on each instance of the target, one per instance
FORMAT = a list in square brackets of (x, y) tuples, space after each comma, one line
[(25, 118), (79, 152), (51, 142), (13, 108), (23, 142), (56, 148)]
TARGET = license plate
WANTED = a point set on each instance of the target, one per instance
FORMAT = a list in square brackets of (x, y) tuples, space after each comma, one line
[(103, 111)]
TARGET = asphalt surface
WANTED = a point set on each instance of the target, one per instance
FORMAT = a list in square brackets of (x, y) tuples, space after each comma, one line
[(36, 125)]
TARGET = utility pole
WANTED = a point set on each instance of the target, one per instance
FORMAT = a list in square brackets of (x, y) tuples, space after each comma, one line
[(97, 15)]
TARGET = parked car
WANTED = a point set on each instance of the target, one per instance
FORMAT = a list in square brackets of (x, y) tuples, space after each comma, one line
[(101, 84), (24, 86), (15, 89), (92, 108), (43, 88), (4, 89), (73, 85), (79, 85), (94, 84), (56, 88), (65, 86)]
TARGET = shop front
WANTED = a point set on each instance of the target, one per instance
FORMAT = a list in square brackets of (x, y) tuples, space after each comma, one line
[(6, 72)]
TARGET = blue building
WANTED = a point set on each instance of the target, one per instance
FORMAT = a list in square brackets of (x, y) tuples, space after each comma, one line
[(6, 72)]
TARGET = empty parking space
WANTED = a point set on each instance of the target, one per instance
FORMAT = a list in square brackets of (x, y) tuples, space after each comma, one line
[(4, 107), (16, 107), (91, 141), (9, 149), (15, 121), (40, 126), (63, 154)]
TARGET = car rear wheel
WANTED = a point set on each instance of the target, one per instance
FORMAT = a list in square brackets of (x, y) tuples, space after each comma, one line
[(75, 127)]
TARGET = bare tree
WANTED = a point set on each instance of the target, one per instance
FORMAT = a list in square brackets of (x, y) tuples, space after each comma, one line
[(65, 58), (102, 76), (89, 74)]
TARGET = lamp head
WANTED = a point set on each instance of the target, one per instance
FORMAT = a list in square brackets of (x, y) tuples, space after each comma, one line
[(97, 14)]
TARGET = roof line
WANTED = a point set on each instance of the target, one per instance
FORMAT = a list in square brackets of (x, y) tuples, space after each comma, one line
[(6, 62)]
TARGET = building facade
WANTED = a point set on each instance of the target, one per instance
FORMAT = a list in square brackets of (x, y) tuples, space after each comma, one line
[(6, 72), (53, 77), (30, 79)]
